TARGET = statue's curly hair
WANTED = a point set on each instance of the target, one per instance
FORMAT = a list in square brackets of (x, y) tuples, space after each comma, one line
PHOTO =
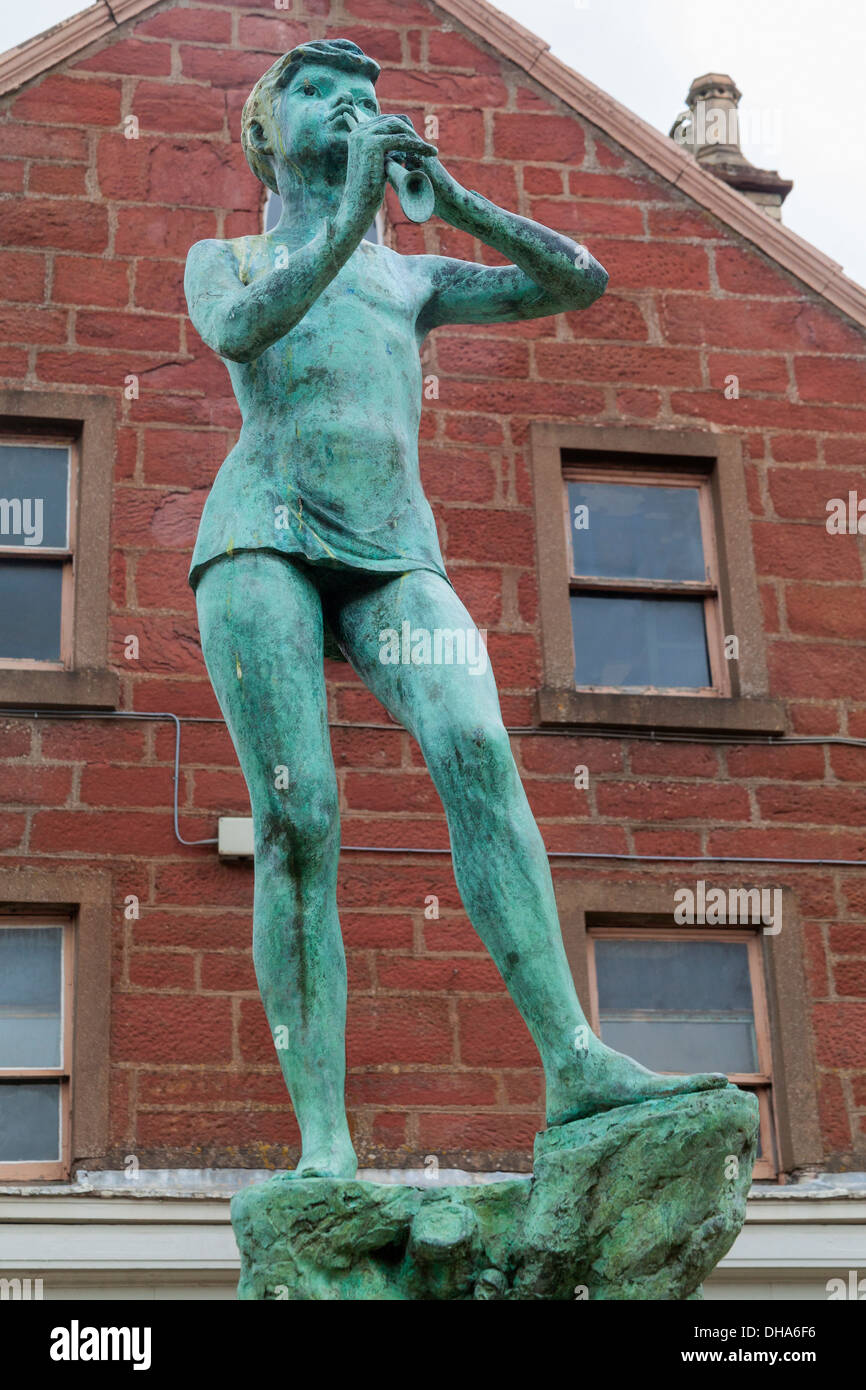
[(258, 132)]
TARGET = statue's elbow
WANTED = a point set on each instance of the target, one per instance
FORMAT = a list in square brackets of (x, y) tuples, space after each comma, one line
[(231, 353), (598, 281), (234, 349), (240, 340), (233, 340), (593, 283)]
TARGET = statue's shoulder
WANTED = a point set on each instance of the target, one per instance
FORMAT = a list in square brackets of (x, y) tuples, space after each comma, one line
[(214, 262), (203, 258), (238, 250), (408, 268), (208, 246)]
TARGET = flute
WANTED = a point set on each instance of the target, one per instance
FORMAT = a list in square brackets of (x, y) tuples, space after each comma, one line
[(412, 186)]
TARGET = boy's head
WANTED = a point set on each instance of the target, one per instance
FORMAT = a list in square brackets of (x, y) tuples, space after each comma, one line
[(312, 73)]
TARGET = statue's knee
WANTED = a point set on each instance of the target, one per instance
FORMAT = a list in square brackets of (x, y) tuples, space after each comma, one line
[(477, 750), (297, 831)]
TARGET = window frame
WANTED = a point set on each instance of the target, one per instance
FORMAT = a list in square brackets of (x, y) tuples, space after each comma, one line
[(747, 707), (584, 902), (760, 1083), (25, 554), (84, 678), (49, 1169), (83, 898), (708, 590)]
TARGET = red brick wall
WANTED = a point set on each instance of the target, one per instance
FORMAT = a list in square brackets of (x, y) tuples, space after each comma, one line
[(97, 228)]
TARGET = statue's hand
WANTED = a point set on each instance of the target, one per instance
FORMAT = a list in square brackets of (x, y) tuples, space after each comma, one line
[(369, 144), (450, 195)]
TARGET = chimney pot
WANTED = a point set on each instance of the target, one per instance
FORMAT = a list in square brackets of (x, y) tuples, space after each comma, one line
[(709, 129)]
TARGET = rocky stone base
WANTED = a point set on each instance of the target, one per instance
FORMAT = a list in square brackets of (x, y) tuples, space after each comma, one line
[(639, 1203)]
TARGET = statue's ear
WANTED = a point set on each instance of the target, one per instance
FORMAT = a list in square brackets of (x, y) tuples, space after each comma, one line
[(258, 139)]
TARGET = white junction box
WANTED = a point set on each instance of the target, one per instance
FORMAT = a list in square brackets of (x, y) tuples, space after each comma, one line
[(235, 837)]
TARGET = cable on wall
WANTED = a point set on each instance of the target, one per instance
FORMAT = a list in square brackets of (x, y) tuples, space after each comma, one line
[(636, 735)]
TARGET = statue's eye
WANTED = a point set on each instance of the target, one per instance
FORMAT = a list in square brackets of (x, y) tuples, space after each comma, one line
[(370, 105), (309, 90)]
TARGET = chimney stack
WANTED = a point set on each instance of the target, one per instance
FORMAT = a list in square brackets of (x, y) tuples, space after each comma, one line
[(710, 130)]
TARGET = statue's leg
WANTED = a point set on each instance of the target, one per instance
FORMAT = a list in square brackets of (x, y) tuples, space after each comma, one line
[(260, 619), (500, 862)]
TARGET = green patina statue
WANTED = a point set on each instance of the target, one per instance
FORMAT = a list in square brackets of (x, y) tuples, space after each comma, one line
[(317, 532)]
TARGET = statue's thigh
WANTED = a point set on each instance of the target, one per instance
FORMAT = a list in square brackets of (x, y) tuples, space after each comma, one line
[(261, 628), (402, 617)]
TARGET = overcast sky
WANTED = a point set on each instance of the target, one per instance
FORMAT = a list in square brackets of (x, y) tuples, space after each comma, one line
[(799, 66)]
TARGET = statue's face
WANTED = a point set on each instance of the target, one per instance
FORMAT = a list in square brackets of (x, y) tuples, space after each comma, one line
[(311, 126)]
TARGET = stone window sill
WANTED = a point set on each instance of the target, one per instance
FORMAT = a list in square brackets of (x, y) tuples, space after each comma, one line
[(85, 689), (729, 715)]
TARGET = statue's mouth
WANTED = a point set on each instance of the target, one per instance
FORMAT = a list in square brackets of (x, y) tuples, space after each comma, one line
[(342, 121)]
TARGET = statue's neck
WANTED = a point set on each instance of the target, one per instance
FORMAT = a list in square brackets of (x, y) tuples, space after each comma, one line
[(307, 201)]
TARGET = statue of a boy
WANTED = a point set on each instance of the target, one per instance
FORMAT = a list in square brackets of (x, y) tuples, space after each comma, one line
[(317, 526)]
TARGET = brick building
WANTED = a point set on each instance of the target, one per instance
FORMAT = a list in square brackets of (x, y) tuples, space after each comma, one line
[(712, 730)]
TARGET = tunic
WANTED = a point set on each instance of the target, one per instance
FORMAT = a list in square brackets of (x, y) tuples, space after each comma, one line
[(326, 466)]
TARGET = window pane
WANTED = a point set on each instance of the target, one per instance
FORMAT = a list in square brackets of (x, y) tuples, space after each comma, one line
[(29, 1122), (678, 1005), (30, 995), (632, 642), (34, 485), (30, 607), (634, 532), (273, 210)]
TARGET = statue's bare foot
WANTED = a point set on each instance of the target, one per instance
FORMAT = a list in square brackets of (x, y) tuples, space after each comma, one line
[(334, 1159), (599, 1079)]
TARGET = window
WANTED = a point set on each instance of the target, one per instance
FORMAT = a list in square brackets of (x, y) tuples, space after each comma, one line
[(687, 998), (644, 593), (35, 1046), (56, 474), (37, 478), (648, 598), (55, 993), (687, 1001)]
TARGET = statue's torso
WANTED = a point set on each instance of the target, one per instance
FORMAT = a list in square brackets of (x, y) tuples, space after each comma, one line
[(327, 459)]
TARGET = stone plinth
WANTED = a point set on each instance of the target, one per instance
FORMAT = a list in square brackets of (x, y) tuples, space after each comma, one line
[(639, 1203)]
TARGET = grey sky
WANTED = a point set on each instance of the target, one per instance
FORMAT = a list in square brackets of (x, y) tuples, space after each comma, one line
[(799, 66)]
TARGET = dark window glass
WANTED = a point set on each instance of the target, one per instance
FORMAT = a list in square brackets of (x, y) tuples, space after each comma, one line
[(29, 1122), (34, 503), (635, 532), (273, 210), (31, 962), (678, 1006), (628, 642), (30, 605)]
